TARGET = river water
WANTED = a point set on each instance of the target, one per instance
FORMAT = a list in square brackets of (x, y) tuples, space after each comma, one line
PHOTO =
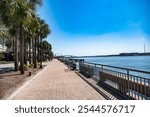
[(135, 62)]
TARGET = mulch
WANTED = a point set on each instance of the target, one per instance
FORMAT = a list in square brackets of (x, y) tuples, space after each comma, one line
[(10, 81)]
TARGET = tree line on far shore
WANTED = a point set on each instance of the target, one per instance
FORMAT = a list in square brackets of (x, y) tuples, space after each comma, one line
[(23, 30)]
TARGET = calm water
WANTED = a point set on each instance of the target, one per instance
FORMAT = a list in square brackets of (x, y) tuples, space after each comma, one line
[(135, 62)]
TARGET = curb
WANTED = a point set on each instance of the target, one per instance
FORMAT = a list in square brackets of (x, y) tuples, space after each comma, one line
[(93, 86)]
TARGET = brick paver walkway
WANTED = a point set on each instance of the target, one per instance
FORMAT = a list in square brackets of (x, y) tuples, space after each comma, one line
[(56, 82)]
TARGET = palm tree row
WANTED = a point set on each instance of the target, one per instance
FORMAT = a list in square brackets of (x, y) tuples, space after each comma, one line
[(26, 29)]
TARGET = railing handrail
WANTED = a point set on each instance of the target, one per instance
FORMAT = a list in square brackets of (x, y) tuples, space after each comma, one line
[(130, 74), (123, 68), (120, 82)]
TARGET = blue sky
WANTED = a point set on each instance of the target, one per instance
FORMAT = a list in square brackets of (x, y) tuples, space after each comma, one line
[(97, 27)]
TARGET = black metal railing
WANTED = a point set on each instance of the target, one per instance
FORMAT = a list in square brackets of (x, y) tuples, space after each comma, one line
[(71, 63), (125, 82), (122, 81)]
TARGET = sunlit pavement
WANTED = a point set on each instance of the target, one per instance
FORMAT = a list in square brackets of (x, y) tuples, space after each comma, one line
[(56, 82)]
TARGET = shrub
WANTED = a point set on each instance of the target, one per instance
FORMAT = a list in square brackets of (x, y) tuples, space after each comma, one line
[(2, 57), (25, 67), (31, 65)]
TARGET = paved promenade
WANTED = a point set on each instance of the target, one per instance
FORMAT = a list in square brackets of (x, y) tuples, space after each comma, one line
[(56, 82)]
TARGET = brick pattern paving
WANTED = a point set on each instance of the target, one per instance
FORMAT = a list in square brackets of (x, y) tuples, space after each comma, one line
[(58, 83)]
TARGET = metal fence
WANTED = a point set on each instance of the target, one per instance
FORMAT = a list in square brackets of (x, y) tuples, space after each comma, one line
[(123, 81)]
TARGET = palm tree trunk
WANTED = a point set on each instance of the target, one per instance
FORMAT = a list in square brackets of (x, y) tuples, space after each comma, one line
[(38, 49), (3, 46), (25, 53), (21, 38), (41, 53), (16, 61), (13, 47), (33, 56), (34, 53), (35, 64), (30, 51)]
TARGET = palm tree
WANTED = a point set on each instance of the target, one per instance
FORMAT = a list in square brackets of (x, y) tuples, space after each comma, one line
[(14, 34), (18, 15), (46, 50), (26, 41), (42, 34), (35, 29), (40, 30), (17, 12), (6, 8), (3, 33), (29, 36), (6, 35), (33, 3)]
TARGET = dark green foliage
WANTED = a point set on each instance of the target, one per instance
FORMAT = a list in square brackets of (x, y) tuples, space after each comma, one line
[(24, 29), (46, 50), (6, 56), (2, 56), (25, 67)]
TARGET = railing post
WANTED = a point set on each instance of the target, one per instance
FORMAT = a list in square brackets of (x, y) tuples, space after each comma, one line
[(130, 85), (102, 68), (101, 78), (95, 70), (149, 88), (80, 62), (128, 82)]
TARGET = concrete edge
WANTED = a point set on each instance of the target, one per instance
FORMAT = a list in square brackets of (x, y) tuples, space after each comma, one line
[(93, 86), (13, 94)]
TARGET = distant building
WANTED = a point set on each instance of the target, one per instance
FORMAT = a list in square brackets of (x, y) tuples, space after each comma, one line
[(3, 48)]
